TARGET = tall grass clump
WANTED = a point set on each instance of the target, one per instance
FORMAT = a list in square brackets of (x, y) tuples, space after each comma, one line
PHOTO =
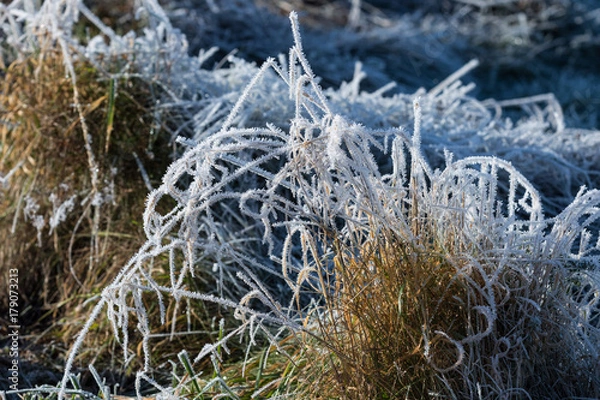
[(352, 267), (90, 119), (83, 139), (458, 288), (439, 314)]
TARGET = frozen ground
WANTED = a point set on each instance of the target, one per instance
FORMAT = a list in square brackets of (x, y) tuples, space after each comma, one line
[(525, 48)]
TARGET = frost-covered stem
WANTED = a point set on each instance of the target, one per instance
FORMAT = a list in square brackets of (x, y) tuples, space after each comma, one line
[(415, 170), (244, 96), (85, 11), (323, 104), (77, 345), (145, 176), (454, 77)]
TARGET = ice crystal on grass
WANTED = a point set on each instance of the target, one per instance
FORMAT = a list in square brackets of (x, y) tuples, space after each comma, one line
[(31, 213), (298, 221)]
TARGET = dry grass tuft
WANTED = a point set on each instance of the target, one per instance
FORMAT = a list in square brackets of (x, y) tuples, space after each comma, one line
[(415, 320), (66, 239), (387, 296)]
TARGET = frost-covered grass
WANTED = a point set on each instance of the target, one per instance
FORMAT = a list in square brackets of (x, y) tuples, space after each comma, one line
[(316, 243)]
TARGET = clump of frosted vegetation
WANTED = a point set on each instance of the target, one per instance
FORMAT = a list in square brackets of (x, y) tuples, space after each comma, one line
[(268, 204), (321, 216)]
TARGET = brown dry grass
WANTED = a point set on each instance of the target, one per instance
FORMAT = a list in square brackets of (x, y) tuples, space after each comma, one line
[(411, 320), (42, 137), (387, 296)]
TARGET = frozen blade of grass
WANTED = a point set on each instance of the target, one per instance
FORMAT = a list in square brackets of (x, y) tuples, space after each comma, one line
[(142, 376), (550, 99), (582, 214), (465, 69), (243, 97), (5, 178), (76, 347), (100, 382), (158, 14), (299, 52), (75, 381), (143, 172), (86, 12)]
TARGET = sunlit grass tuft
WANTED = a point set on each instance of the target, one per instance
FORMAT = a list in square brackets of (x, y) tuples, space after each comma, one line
[(66, 237), (411, 320)]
